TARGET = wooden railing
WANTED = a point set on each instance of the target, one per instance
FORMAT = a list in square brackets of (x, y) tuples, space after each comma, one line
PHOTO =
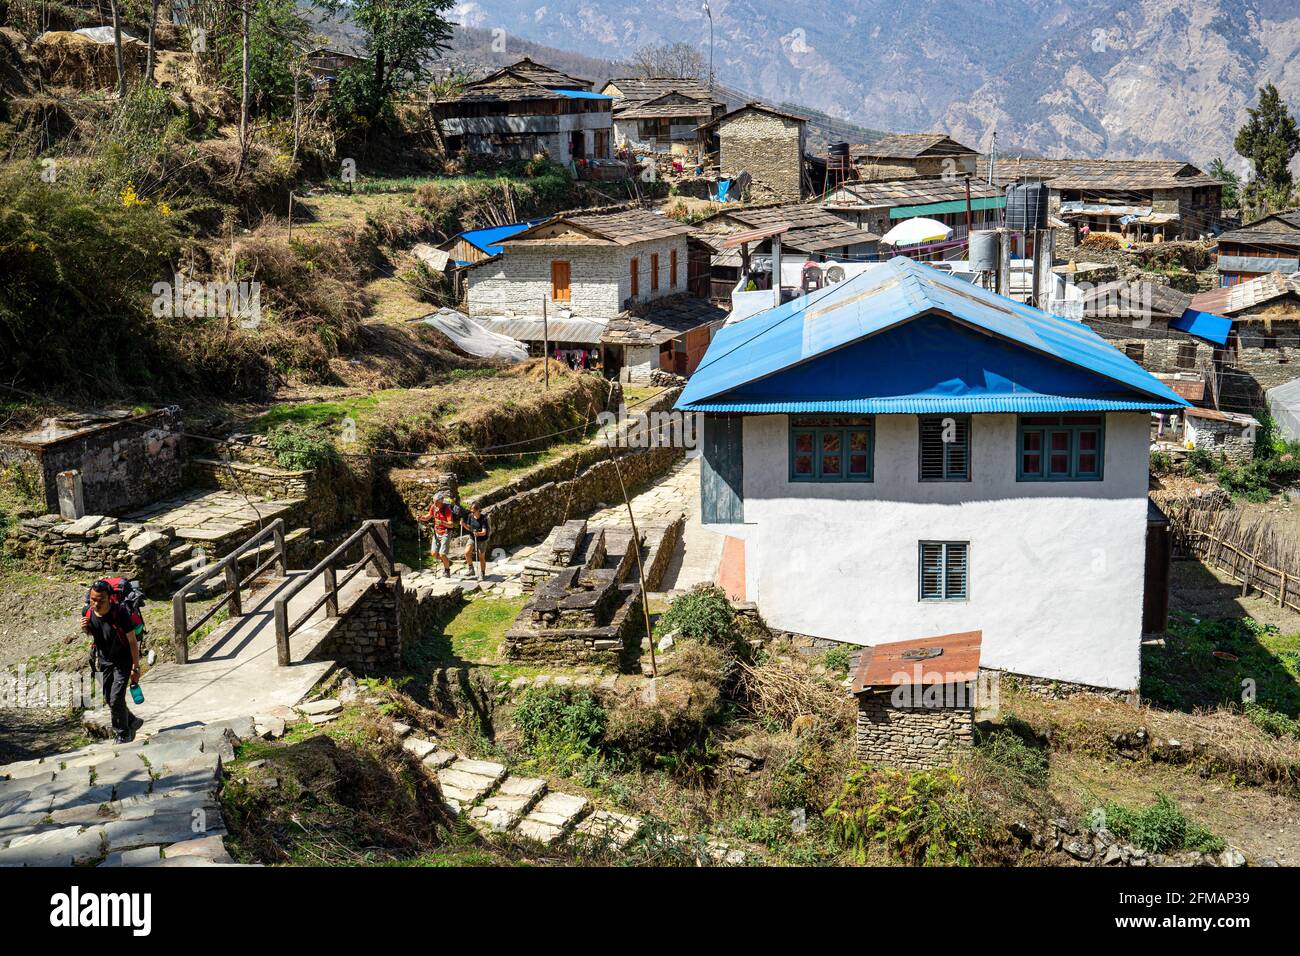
[(376, 540), (229, 566)]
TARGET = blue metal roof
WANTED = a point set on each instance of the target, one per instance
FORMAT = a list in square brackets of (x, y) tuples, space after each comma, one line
[(972, 405), (1204, 325), (486, 239), (582, 95), (982, 352)]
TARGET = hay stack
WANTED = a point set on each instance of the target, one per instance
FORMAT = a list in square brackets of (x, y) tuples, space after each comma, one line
[(76, 61)]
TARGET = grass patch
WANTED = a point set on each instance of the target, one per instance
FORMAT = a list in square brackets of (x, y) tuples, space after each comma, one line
[(1159, 828), (1216, 661), (473, 635), (314, 414)]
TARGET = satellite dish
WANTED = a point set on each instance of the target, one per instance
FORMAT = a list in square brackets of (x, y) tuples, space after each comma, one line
[(834, 274)]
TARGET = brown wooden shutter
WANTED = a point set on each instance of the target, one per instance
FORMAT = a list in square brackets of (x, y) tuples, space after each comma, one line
[(560, 281), (672, 269), (636, 283), (654, 272)]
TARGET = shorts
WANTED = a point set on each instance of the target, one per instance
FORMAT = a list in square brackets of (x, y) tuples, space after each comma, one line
[(441, 543)]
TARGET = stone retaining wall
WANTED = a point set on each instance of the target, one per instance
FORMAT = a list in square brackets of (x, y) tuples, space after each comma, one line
[(99, 545), (425, 610), (333, 497), (913, 738), (368, 635), (603, 646)]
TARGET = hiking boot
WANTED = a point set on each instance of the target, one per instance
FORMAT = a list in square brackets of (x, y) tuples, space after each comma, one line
[(136, 723)]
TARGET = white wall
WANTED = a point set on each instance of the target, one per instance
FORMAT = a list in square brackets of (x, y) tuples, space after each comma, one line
[(1056, 568), (599, 278)]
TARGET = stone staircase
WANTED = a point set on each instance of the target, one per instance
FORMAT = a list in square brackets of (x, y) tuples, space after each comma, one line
[(495, 800), (151, 802)]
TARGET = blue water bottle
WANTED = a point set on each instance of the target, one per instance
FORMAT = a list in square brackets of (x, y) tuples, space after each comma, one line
[(137, 694)]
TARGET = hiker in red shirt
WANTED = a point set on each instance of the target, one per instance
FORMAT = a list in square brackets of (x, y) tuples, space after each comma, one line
[(445, 518)]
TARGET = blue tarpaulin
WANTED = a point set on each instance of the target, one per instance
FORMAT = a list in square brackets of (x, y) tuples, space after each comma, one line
[(582, 95), (855, 344), (486, 239), (724, 187), (1204, 325)]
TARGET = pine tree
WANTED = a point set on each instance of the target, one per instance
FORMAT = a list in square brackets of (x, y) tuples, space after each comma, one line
[(1269, 140)]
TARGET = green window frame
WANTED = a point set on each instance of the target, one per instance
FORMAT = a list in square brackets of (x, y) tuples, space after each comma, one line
[(943, 572), (939, 460), (1060, 447), (832, 448)]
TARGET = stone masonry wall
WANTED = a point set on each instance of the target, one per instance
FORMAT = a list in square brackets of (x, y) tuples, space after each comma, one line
[(599, 279), (97, 545), (123, 465), (1224, 438), (769, 148), (368, 635), (531, 514), (913, 738)]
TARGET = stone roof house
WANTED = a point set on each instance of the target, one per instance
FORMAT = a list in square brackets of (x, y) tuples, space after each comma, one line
[(764, 142), (660, 113), (912, 154)]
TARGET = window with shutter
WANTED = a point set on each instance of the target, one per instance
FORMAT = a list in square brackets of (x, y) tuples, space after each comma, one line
[(831, 448), (672, 269), (1187, 355), (1060, 447), (654, 272), (945, 570), (945, 448), (636, 283)]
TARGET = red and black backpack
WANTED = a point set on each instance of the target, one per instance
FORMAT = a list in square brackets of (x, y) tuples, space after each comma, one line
[(125, 594)]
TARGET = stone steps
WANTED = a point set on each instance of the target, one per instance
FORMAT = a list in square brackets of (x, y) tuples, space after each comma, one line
[(151, 802)]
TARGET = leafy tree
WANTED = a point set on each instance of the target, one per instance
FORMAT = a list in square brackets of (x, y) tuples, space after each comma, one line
[(1269, 139), (401, 39), (677, 60), (277, 31), (1231, 182)]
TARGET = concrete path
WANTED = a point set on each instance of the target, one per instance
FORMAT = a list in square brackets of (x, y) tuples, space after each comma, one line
[(234, 670)]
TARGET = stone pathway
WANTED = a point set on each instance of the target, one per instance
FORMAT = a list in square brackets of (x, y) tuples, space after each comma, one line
[(678, 492), (495, 800), (234, 669), (214, 520), (152, 802)]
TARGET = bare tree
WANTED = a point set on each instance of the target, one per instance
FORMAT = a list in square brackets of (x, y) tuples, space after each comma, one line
[(676, 60), (117, 48), (153, 45)]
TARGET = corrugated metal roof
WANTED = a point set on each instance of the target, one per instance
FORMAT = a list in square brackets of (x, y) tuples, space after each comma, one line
[(583, 331), (963, 405), (1203, 325), (946, 659), (808, 327), (486, 239), (952, 205)]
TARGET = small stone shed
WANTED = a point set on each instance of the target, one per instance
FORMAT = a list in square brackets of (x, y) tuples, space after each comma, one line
[(1231, 434), (767, 143), (126, 459), (916, 700)]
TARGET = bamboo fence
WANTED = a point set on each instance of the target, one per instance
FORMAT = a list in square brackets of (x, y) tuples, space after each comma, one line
[(1253, 549)]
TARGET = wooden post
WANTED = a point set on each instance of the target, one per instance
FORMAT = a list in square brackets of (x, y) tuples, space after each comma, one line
[(331, 592), (1004, 263), (546, 349), (1281, 593), (282, 553), (180, 630), (282, 633), (640, 571), (776, 270), (232, 585)]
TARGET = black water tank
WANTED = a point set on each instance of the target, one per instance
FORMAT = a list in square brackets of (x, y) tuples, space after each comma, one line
[(839, 149), (1026, 206)]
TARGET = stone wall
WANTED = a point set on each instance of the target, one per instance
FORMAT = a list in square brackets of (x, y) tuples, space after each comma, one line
[(368, 635), (769, 148), (1234, 442), (913, 738), (124, 463), (600, 279), (426, 609), (98, 545), (334, 497), (531, 514), (605, 645)]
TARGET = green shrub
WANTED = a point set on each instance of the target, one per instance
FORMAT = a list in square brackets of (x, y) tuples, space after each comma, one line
[(1160, 463), (922, 817), (1008, 750), (560, 727), (1272, 722), (703, 613), (1199, 462), (837, 658), (1159, 828), (300, 448)]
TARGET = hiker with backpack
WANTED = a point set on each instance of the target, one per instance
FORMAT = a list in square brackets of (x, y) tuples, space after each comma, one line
[(112, 619), (479, 527), (445, 516)]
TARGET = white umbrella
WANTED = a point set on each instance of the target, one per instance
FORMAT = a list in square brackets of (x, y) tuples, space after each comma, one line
[(912, 232)]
